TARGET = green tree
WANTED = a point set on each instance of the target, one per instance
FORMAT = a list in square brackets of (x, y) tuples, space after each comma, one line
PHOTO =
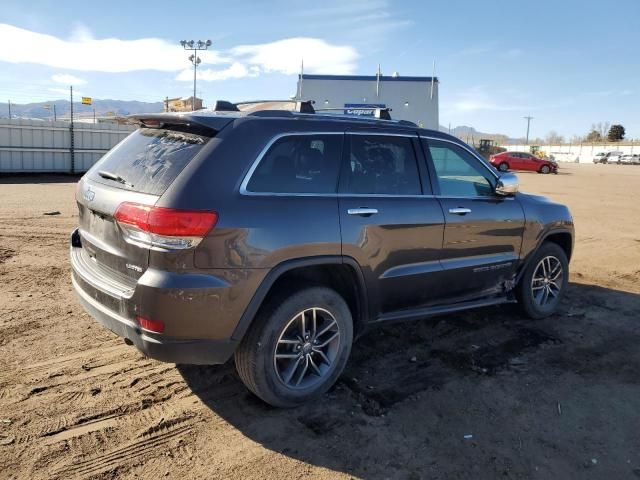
[(594, 136), (616, 133)]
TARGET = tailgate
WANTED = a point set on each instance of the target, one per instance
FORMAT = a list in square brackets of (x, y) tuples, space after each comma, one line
[(104, 246)]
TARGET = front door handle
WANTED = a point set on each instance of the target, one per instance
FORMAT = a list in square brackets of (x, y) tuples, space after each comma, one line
[(459, 211), (362, 211)]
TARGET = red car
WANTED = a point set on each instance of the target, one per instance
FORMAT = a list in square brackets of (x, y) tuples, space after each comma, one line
[(522, 161)]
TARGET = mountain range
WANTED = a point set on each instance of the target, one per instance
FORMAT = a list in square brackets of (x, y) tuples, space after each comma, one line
[(44, 111), (62, 108)]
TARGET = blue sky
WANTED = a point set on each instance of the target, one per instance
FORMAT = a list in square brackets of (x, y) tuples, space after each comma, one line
[(567, 63)]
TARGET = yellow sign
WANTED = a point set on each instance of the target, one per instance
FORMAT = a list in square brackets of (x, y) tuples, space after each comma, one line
[(86, 100)]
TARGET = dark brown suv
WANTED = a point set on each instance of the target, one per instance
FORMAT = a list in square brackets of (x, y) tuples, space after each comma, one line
[(279, 236)]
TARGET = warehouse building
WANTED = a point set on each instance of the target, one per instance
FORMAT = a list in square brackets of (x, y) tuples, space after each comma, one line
[(410, 98)]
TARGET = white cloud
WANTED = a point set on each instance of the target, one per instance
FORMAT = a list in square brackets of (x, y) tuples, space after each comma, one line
[(284, 56), (82, 52), (478, 99), (67, 79), (236, 70), (65, 91), (85, 53)]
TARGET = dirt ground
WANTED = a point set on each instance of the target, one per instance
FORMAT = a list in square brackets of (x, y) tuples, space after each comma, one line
[(489, 394)]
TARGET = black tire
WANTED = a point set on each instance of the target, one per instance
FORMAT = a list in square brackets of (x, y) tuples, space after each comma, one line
[(529, 304), (545, 169), (255, 358), (503, 167)]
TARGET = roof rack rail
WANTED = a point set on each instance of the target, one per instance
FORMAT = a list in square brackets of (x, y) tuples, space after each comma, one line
[(224, 106), (305, 107), (381, 113), (297, 105)]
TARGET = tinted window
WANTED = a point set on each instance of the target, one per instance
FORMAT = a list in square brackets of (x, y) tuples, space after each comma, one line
[(379, 164), (299, 164), (459, 173), (150, 159)]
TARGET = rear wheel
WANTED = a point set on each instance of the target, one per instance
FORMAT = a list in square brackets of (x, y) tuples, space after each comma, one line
[(297, 347), (544, 281), (503, 167), (545, 169)]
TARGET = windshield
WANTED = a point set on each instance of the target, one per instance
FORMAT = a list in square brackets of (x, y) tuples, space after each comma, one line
[(149, 159)]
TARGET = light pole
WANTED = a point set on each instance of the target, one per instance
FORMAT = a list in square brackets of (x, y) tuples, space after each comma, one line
[(528, 119), (195, 60)]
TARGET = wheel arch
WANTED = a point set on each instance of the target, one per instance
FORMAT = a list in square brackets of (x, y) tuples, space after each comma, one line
[(562, 238), (342, 274)]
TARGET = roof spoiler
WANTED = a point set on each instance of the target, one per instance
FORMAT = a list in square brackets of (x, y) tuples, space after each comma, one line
[(210, 124)]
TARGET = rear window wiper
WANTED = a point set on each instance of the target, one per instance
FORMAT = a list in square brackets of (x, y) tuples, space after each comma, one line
[(114, 177)]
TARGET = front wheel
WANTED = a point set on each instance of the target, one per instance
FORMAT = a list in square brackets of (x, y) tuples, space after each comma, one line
[(544, 281), (297, 347), (545, 169), (503, 167)]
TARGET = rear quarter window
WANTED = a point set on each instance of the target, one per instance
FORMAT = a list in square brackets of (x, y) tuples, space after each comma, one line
[(150, 159), (299, 164)]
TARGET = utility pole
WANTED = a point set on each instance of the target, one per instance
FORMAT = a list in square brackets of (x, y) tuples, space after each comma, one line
[(94, 115), (166, 104), (71, 145), (55, 118), (9, 109), (195, 60), (528, 119)]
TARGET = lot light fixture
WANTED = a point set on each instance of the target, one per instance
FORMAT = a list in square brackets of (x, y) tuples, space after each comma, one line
[(195, 60)]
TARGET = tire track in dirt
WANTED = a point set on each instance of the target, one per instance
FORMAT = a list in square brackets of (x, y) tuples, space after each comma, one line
[(146, 446)]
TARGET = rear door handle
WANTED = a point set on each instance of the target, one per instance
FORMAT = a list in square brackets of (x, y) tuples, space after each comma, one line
[(459, 211), (363, 211)]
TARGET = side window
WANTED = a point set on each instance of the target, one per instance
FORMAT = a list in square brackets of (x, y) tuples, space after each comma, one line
[(378, 164), (459, 173), (299, 164)]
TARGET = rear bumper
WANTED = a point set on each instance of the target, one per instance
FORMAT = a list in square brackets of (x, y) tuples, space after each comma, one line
[(197, 352), (199, 311)]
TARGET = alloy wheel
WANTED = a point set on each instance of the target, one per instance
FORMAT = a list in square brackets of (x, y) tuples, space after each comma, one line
[(307, 348), (546, 282)]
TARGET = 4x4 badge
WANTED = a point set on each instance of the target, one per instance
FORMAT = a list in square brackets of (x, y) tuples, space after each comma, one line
[(89, 194)]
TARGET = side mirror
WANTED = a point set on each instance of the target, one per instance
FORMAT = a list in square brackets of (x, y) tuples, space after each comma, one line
[(507, 184)]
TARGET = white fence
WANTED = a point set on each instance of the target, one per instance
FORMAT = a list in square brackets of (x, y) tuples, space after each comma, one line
[(579, 153), (33, 146)]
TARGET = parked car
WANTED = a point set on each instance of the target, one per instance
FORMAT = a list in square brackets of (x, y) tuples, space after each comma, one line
[(506, 161), (607, 157), (278, 237), (630, 159), (614, 157)]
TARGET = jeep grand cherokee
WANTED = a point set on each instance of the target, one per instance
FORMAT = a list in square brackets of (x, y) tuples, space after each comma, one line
[(278, 236)]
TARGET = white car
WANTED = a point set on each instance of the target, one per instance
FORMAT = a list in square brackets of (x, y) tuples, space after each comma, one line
[(630, 159), (607, 157), (614, 157)]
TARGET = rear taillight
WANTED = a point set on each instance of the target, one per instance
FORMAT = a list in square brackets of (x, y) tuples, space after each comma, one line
[(164, 228)]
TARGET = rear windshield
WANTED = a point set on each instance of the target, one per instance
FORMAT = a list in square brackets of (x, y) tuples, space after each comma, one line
[(149, 159)]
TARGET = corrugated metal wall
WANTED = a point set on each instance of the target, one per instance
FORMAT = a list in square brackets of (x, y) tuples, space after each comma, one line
[(33, 146)]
